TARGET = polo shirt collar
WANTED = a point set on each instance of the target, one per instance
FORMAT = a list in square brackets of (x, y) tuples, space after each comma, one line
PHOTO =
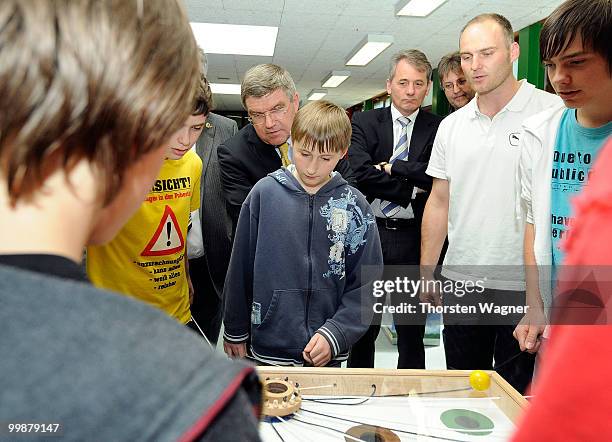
[(517, 104), (472, 108), (521, 98)]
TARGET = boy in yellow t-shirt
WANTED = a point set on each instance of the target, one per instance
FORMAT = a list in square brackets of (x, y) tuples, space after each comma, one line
[(148, 258)]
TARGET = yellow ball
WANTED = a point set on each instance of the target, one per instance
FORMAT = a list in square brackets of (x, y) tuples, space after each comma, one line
[(480, 380)]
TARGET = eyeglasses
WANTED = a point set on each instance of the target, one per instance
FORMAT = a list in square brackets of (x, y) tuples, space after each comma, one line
[(449, 86), (257, 118)]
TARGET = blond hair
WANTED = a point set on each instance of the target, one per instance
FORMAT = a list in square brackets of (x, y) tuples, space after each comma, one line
[(323, 126), (264, 79), (105, 81)]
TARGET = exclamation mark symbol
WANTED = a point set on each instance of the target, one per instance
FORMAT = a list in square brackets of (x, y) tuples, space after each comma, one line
[(168, 230)]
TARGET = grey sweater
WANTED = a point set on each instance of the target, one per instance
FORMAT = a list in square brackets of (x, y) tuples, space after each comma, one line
[(106, 367)]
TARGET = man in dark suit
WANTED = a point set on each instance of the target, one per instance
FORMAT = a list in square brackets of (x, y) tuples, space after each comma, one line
[(389, 152), (209, 264), (268, 94)]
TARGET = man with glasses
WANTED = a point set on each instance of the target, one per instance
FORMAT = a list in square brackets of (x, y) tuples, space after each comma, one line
[(268, 94), (452, 80)]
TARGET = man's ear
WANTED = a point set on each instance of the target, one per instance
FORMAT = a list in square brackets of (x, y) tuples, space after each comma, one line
[(296, 101), (515, 51)]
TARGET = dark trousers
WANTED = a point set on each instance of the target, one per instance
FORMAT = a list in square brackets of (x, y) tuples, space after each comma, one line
[(362, 351), (471, 347), (207, 308), (399, 247)]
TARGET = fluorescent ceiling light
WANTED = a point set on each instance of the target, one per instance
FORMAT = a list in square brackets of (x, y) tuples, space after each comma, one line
[(368, 49), (335, 78), (417, 8), (216, 38), (316, 94), (225, 88)]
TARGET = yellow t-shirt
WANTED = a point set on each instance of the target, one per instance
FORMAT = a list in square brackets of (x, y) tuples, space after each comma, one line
[(146, 259)]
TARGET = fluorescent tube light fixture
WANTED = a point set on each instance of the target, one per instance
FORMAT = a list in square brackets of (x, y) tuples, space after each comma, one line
[(225, 88), (217, 38), (335, 78), (370, 47), (316, 94), (417, 8)]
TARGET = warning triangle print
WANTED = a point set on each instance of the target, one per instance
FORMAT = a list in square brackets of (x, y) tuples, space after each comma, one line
[(167, 239)]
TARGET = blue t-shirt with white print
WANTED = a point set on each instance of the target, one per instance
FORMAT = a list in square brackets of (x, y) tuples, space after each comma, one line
[(574, 154)]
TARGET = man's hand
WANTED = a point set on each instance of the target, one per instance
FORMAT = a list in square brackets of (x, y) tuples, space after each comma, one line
[(383, 167), (428, 293), (234, 350), (529, 330), (317, 351)]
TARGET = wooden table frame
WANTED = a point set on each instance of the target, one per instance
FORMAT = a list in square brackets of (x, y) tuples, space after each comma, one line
[(359, 381)]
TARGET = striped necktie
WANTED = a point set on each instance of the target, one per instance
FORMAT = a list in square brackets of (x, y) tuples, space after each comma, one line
[(284, 152), (400, 152)]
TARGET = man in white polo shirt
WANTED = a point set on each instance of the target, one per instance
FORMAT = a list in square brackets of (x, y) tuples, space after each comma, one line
[(473, 163)]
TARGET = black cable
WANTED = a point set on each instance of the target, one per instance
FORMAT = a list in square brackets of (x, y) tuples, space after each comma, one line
[(422, 393), (414, 433), (325, 400), (276, 431), (496, 367)]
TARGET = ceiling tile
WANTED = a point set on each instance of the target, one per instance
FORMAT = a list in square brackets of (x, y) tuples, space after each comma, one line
[(315, 36)]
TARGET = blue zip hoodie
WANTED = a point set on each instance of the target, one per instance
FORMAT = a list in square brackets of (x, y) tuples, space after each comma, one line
[(296, 269)]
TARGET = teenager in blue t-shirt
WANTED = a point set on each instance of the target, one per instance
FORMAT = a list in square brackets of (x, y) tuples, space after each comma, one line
[(574, 153), (559, 146)]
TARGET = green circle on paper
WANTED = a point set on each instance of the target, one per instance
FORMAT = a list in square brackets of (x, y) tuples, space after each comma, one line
[(459, 419)]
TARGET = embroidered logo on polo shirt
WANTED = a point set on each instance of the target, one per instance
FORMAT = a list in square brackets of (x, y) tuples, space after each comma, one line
[(513, 138)]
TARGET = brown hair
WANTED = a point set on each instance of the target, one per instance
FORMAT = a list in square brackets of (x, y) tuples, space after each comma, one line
[(263, 79), (449, 63), (497, 18), (105, 81), (414, 57), (589, 19), (323, 126)]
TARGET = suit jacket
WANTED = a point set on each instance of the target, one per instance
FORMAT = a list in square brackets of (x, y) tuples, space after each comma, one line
[(216, 224), (244, 160), (372, 143)]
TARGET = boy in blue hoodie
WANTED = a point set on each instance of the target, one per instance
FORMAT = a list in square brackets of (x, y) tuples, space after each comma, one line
[(294, 286)]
